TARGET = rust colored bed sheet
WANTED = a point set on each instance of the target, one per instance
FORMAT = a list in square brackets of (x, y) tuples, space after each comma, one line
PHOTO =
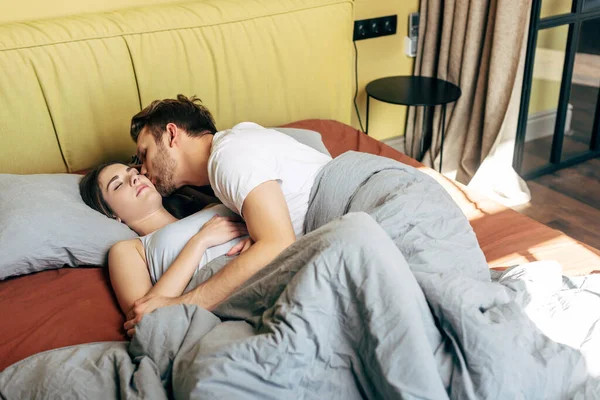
[(71, 306)]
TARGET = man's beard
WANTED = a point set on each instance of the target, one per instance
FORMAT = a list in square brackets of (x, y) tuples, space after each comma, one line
[(165, 170)]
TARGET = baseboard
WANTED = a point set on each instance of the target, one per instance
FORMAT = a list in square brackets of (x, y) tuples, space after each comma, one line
[(541, 124)]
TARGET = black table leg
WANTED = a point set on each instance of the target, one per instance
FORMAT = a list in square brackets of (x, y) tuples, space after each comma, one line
[(443, 132), (367, 121), (425, 131)]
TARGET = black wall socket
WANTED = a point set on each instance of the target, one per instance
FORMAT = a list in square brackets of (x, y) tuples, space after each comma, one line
[(375, 27)]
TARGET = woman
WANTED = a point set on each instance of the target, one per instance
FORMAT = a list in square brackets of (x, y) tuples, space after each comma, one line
[(169, 250)]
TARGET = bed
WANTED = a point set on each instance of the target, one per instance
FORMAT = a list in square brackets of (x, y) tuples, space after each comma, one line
[(247, 60)]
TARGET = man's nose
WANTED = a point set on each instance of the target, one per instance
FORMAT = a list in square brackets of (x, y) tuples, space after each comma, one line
[(143, 170)]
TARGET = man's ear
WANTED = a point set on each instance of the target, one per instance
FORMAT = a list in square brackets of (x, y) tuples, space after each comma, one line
[(173, 134)]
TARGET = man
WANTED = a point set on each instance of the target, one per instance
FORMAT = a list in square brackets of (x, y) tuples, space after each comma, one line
[(263, 175)]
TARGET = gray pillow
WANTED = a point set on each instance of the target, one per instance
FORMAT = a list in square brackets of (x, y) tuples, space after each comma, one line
[(44, 224), (310, 138)]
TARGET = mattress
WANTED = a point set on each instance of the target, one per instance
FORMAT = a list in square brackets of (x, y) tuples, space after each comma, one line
[(71, 306)]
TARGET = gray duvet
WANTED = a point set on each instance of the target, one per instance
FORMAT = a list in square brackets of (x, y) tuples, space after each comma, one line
[(388, 296)]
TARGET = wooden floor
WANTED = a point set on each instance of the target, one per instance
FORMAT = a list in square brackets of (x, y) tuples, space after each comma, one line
[(568, 200)]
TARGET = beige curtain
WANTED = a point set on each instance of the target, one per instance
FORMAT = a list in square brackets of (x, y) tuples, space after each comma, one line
[(480, 46)]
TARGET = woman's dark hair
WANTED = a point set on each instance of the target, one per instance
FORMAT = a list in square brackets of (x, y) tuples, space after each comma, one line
[(89, 189), (180, 204), (187, 113)]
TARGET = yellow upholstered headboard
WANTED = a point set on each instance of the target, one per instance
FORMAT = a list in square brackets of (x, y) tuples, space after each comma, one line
[(69, 86)]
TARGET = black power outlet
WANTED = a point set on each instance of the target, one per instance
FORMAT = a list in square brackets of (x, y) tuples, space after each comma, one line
[(375, 27)]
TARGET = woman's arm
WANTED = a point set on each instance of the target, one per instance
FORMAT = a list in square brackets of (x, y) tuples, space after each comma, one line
[(128, 268), (130, 278), (129, 275), (216, 231), (174, 281)]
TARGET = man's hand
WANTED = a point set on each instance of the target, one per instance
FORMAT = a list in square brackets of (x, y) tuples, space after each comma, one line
[(144, 306)]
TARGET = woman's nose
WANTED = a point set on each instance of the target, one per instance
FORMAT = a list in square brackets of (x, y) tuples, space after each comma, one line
[(134, 178)]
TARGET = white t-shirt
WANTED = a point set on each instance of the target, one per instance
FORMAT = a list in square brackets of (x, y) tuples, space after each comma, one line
[(248, 155)]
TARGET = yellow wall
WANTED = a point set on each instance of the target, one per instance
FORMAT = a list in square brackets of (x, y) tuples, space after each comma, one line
[(548, 69), (24, 10), (544, 95), (553, 38), (549, 59), (377, 57), (382, 57), (555, 7)]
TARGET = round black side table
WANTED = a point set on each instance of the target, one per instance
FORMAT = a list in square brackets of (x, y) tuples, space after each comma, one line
[(416, 91)]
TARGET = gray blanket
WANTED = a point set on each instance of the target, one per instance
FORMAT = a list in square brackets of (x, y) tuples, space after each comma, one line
[(388, 296)]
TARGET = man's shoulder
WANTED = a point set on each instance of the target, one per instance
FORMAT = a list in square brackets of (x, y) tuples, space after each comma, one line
[(241, 128), (242, 136), (248, 130), (247, 125)]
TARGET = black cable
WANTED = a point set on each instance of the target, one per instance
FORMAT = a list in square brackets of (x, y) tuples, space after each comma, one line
[(356, 87)]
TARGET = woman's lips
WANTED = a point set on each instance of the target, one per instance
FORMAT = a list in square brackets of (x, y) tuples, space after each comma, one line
[(142, 187)]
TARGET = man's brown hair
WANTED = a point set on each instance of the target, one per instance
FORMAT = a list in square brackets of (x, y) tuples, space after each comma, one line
[(187, 113)]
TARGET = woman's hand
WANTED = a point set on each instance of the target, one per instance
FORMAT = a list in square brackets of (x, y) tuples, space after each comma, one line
[(219, 230), (241, 247), (144, 306)]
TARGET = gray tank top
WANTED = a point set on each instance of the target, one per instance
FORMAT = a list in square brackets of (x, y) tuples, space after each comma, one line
[(164, 245)]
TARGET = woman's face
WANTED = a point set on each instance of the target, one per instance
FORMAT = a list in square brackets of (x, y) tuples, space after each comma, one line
[(131, 196)]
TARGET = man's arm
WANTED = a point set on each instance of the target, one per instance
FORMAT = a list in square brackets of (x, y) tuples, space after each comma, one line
[(269, 225), (268, 220)]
